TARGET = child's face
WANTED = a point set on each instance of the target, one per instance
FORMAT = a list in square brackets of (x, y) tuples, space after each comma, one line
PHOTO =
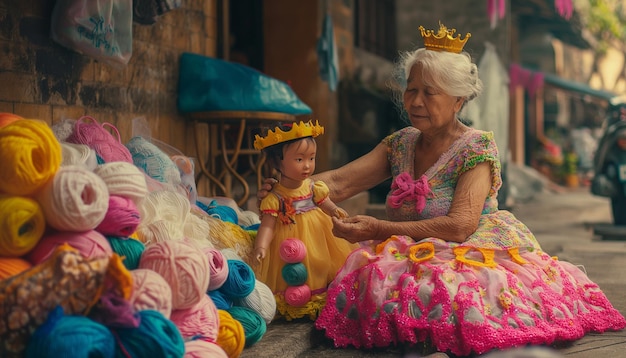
[(298, 160)]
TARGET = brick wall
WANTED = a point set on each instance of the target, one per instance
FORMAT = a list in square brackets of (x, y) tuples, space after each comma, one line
[(41, 79)]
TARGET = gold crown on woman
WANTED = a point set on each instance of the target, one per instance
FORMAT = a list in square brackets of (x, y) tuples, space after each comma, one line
[(300, 130), (443, 40)]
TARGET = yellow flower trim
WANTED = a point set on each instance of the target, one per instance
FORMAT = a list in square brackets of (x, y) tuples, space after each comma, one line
[(311, 309), (488, 256), (381, 246), (515, 256), (415, 249)]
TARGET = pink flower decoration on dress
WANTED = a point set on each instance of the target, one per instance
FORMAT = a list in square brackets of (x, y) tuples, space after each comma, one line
[(406, 189)]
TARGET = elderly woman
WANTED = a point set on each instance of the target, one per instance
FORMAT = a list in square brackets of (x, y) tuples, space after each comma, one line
[(448, 270)]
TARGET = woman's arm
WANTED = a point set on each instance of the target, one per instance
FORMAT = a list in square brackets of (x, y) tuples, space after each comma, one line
[(460, 222), (359, 175)]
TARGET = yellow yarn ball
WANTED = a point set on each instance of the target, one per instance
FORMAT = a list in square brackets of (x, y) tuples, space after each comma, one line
[(30, 155), (231, 336), (22, 224)]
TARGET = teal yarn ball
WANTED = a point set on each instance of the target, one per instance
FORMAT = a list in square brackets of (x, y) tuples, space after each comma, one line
[(221, 302), (254, 326), (240, 281), (295, 274), (129, 249), (155, 337), (70, 336)]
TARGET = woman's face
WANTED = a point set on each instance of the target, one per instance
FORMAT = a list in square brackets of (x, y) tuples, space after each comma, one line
[(298, 160), (428, 107)]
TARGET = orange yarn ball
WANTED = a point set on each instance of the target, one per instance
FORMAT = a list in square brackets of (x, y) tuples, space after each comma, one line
[(7, 118), (11, 266), (231, 336)]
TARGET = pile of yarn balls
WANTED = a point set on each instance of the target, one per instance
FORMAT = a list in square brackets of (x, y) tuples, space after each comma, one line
[(75, 182)]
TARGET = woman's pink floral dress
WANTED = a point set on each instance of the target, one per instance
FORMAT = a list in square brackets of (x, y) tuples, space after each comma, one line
[(496, 290)]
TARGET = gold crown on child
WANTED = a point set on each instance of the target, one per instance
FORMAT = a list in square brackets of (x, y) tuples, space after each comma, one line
[(300, 130), (444, 40)]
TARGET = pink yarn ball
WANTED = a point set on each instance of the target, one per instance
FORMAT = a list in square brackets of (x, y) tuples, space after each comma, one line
[(218, 265), (183, 266), (89, 243), (150, 292), (200, 320), (199, 348), (297, 295), (292, 250), (121, 219)]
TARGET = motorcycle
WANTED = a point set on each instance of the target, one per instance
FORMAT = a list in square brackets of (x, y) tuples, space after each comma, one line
[(609, 178)]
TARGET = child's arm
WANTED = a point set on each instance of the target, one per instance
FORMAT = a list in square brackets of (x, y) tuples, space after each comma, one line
[(264, 236), (331, 209)]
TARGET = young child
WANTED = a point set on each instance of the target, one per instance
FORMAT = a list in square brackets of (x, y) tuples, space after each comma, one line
[(297, 254)]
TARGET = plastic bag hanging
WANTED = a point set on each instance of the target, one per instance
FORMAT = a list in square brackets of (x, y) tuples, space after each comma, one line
[(327, 54), (102, 29)]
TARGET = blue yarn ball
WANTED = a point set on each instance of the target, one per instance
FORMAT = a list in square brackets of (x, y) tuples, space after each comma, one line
[(254, 326), (155, 337), (221, 301), (295, 274), (70, 336), (222, 212), (128, 248), (240, 281)]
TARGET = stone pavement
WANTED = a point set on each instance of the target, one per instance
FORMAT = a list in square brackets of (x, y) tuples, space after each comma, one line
[(562, 220)]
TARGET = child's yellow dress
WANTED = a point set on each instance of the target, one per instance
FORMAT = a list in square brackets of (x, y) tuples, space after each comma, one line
[(299, 216)]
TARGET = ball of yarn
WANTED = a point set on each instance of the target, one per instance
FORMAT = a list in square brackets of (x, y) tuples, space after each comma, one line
[(11, 266), (78, 154), (222, 212), (70, 336), (292, 250), (165, 205), (30, 155), (297, 296), (63, 129), (88, 131), (123, 179), (156, 336), (89, 243), (221, 301), (201, 320), (198, 230), (22, 224), (218, 267), (294, 274), (153, 161), (248, 218), (240, 281), (254, 327), (76, 199), (8, 118), (121, 219), (199, 348), (129, 249), (159, 231), (183, 266), (261, 300), (231, 336), (150, 292)]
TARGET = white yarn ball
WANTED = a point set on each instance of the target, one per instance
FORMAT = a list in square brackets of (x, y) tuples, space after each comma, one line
[(261, 300)]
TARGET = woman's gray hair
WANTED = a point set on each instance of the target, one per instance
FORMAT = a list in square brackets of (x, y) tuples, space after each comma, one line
[(452, 73)]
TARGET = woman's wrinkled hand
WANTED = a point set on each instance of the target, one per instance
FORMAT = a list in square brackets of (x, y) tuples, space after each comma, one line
[(356, 228)]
